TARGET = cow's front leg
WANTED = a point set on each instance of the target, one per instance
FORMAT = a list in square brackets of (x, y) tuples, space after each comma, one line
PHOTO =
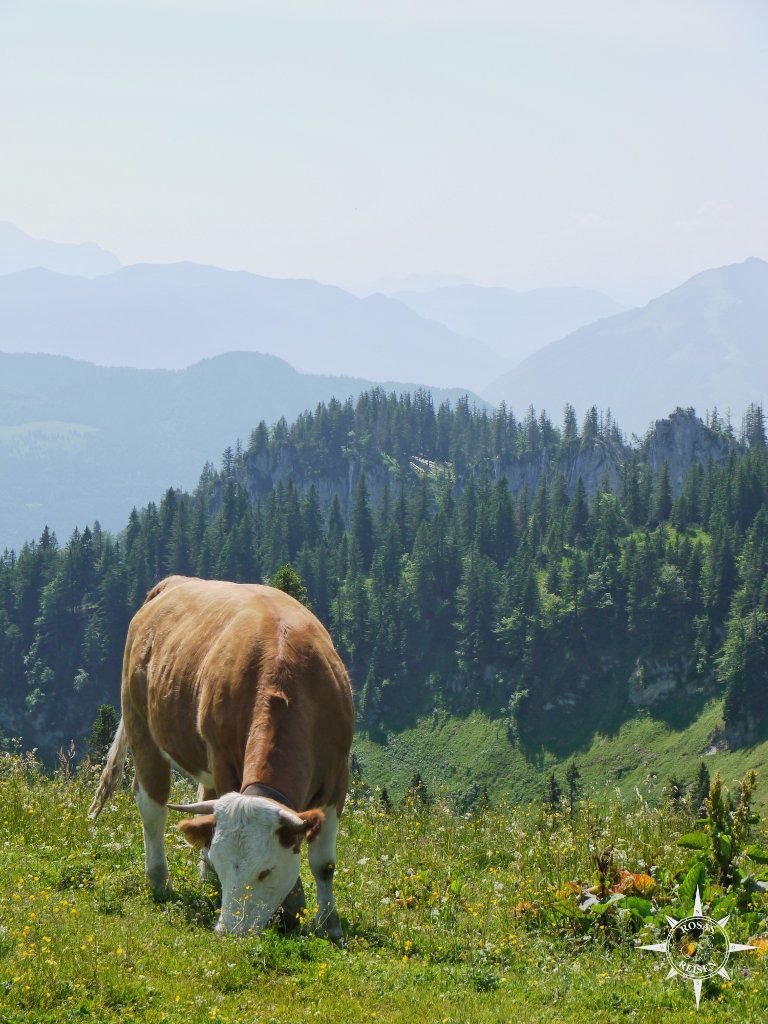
[(322, 861), (290, 913), (204, 867), (153, 818)]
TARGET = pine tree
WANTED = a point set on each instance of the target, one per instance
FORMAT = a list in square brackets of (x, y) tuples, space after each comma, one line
[(503, 523), (335, 523), (361, 523), (577, 515), (591, 429), (178, 559), (743, 669), (630, 491), (102, 732), (753, 431), (573, 782), (476, 603), (554, 793), (570, 427), (661, 500), (288, 580), (700, 790)]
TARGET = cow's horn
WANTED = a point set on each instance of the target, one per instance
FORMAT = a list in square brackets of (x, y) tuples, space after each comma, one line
[(293, 821), (204, 807)]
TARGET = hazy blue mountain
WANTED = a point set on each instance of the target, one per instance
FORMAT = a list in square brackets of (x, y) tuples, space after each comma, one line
[(79, 442), (19, 251), (513, 323), (172, 315), (408, 283), (703, 344)]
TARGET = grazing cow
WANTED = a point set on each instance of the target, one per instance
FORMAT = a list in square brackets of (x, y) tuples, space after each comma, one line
[(240, 687)]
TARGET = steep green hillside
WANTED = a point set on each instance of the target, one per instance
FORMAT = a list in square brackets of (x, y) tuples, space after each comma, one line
[(465, 754)]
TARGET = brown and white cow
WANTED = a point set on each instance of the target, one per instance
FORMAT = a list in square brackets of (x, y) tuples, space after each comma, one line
[(240, 687)]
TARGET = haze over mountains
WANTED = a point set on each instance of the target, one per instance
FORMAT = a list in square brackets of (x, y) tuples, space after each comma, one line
[(124, 433), (19, 251), (172, 315), (513, 323), (80, 442), (703, 344)]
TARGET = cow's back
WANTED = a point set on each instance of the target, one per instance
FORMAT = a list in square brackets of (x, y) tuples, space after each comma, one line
[(241, 673)]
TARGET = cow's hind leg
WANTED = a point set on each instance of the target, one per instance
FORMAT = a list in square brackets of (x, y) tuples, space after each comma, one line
[(322, 861), (151, 789)]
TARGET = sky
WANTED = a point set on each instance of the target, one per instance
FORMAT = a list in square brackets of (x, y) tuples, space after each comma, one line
[(604, 143)]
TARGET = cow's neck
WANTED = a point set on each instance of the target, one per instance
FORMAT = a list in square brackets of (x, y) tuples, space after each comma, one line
[(259, 789), (275, 753)]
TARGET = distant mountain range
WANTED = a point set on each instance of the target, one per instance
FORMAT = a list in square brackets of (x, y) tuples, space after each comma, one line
[(19, 251), (124, 432), (172, 315), (514, 324), (703, 344), (79, 441)]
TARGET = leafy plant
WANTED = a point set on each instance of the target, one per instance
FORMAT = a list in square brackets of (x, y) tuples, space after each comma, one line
[(721, 847)]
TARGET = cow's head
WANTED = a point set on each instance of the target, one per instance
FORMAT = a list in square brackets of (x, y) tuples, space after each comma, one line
[(253, 845)]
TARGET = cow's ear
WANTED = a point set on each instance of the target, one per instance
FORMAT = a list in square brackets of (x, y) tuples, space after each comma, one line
[(314, 820), (198, 832), (295, 827)]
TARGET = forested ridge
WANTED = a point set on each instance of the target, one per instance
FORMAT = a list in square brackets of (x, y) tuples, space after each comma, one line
[(559, 607)]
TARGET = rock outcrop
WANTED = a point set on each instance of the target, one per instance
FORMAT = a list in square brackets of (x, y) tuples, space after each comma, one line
[(681, 439)]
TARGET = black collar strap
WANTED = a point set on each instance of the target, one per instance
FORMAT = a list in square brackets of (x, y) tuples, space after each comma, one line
[(259, 789)]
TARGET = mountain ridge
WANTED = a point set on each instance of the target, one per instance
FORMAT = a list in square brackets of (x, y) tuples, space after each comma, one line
[(20, 251), (172, 315), (701, 344), (513, 322)]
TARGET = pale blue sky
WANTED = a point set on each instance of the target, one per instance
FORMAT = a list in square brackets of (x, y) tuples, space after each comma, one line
[(618, 144)]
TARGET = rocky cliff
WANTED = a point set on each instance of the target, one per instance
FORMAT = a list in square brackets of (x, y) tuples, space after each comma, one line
[(681, 439)]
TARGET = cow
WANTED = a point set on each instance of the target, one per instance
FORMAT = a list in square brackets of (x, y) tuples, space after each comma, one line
[(240, 687)]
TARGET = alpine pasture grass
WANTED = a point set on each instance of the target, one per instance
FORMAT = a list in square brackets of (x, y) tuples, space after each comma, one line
[(443, 917)]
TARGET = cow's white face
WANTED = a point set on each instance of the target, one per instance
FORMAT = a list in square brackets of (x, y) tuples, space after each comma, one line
[(254, 849)]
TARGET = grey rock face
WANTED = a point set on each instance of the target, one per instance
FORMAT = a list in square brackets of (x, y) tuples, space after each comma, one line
[(682, 440), (594, 463)]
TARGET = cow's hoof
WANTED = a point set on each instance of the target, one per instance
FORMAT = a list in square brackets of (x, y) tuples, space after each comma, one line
[(291, 913), (328, 926), (160, 886), (285, 921), (206, 874)]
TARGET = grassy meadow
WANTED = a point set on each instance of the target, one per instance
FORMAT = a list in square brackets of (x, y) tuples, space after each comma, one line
[(448, 918)]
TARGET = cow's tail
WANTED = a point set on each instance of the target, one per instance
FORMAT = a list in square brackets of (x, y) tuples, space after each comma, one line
[(113, 772)]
